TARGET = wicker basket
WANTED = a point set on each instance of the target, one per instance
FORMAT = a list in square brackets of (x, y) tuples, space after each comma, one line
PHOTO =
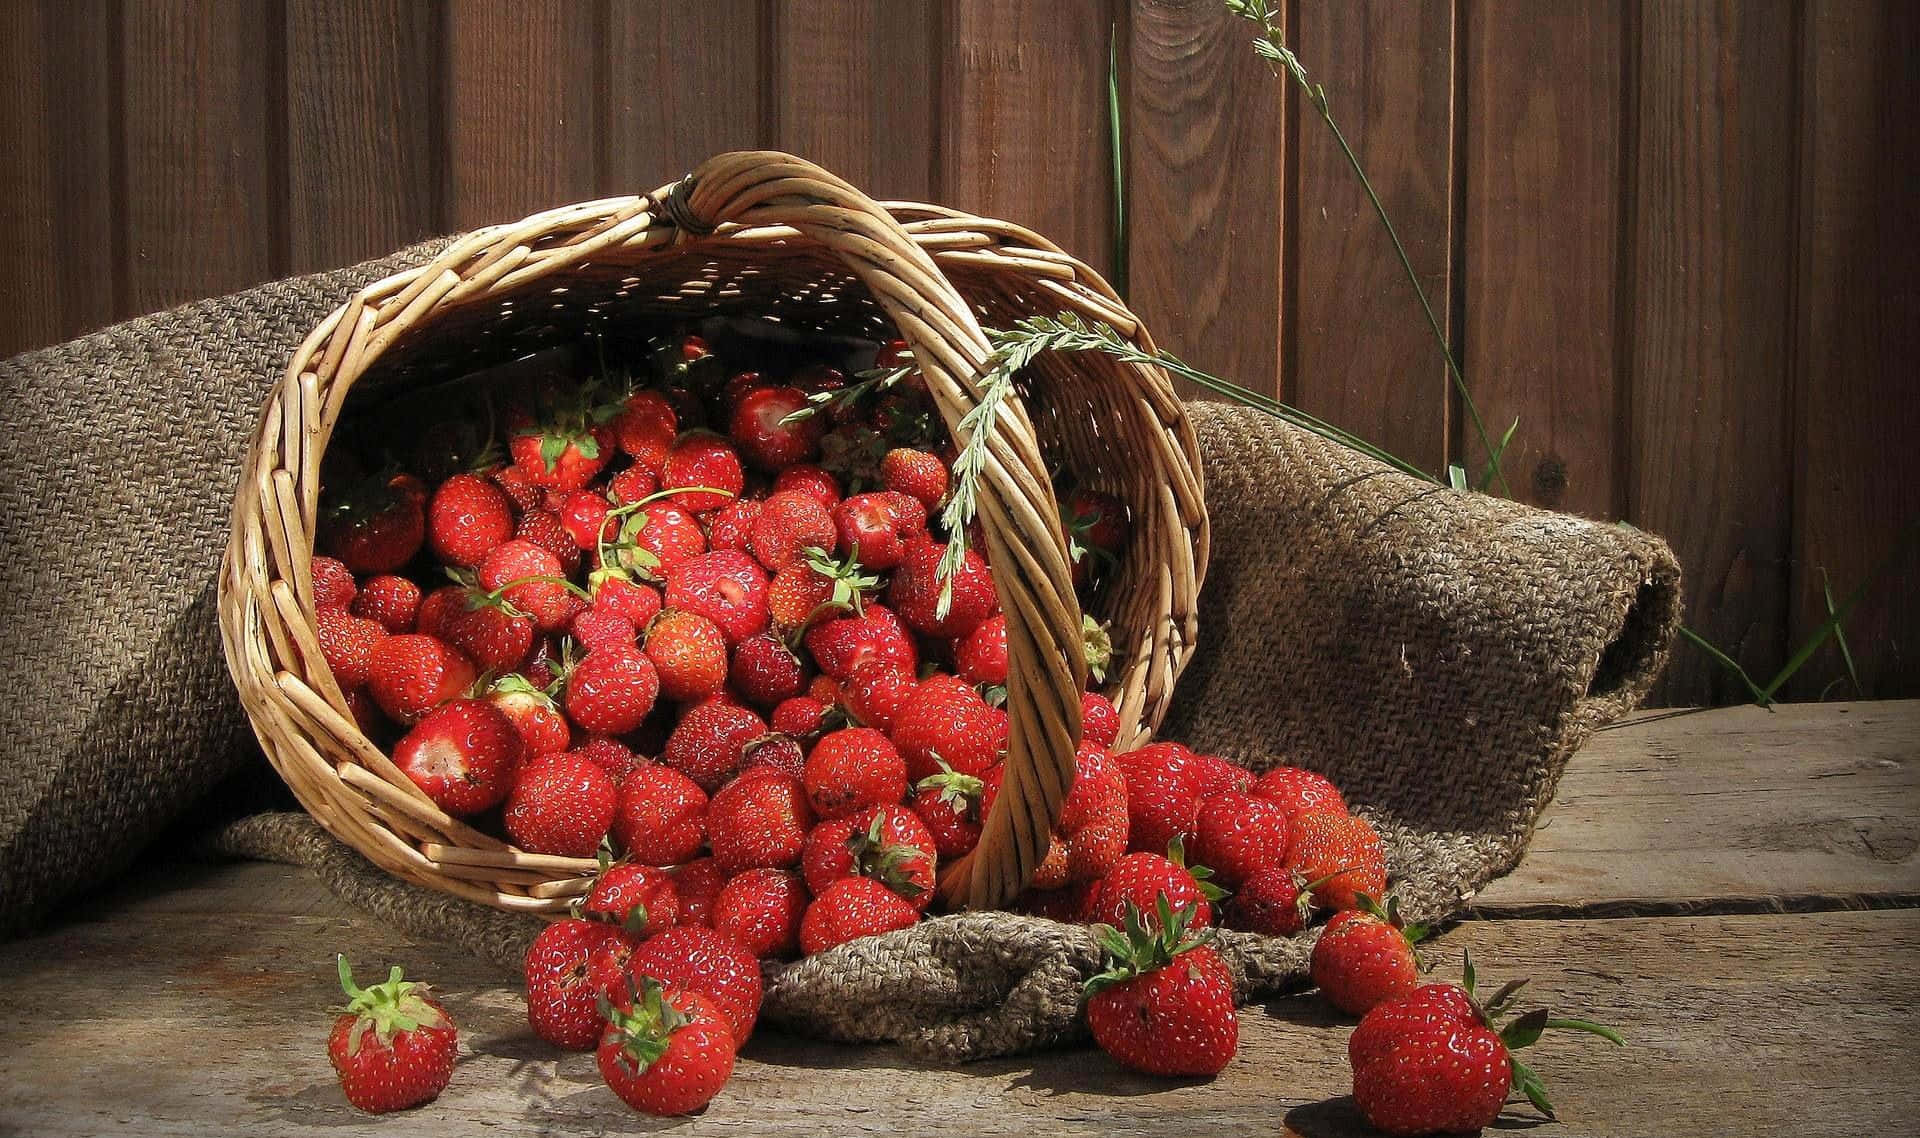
[(761, 233)]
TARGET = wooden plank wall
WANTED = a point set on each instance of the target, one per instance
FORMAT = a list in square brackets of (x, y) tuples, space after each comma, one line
[(1674, 239)]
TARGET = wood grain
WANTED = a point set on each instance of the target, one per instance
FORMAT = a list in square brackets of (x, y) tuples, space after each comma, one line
[(1543, 210), (1857, 413), (853, 83), (205, 210), (1363, 355), (363, 91), (684, 82), (1205, 132), (522, 119)]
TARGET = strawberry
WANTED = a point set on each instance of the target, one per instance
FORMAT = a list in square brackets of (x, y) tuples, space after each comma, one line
[(949, 803), (877, 693), (759, 820), (532, 580), (656, 537), (411, 675), (789, 525), (584, 515), (1099, 720), (665, 1052), (365, 712), (811, 480), (888, 843), (492, 631), (641, 899), (661, 816), (840, 644), (1298, 791), (561, 804), (702, 460), (1237, 835), (1072, 905), (1141, 880), (1341, 852), (1210, 775), (701, 960), (915, 473), (393, 601), (941, 607), (610, 755), (730, 526), (801, 717), (726, 587), (562, 998), (1164, 1005), (765, 671), (738, 387), (981, 656), (1365, 957), (1161, 800), (817, 585), (698, 882), (761, 910), (759, 426), (616, 593), (1432, 1061), (1097, 528), (708, 745), (464, 754), (393, 1047), (347, 644), (611, 690), (645, 428), (876, 529), (545, 529), (778, 751), (691, 653), (1274, 901), (852, 769), (947, 722), (519, 489), (633, 484), (564, 452), (466, 519), (436, 606), (376, 525), (598, 628), (1091, 835), (333, 586), (853, 907)]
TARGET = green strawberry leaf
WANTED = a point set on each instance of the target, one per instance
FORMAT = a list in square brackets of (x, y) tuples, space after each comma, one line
[(587, 446), (1529, 1084), (551, 448), (1524, 1031), (1587, 1025)]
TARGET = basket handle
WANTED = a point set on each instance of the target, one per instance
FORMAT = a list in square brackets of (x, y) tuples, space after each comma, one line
[(1031, 569)]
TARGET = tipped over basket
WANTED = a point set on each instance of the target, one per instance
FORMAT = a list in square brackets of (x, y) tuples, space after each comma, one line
[(764, 234)]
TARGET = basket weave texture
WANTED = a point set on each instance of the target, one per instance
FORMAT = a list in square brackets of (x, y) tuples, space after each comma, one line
[(770, 235)]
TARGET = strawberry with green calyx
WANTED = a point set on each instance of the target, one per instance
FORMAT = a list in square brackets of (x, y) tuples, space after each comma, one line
[(561, 804), (878, 527), (393, 1046), (493, 631), (1142, 880), (788, 525), (566, 441), (889, 844), (640, 899), (1342, 851), (376, 524), (1164, 1004), (949, 803), (1274, 901), (816, 587), (1096, 526), (705, 469), (1434, 1061), (851, 908), (1365, 956)]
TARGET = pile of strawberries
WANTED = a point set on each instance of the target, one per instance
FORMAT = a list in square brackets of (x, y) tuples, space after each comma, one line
[(723, 630)]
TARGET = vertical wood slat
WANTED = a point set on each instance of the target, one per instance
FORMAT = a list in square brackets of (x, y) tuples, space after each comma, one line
[(1205, 139), (1024, 131), (1543, 211), (1712, 294), (853, 83), (1857, 401), (522, 118), (1365, 358), (56, 267), (363, 80), (684, 82), (204, 201)]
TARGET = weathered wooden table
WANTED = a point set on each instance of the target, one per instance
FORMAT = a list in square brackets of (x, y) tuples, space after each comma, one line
[(1735, 890)]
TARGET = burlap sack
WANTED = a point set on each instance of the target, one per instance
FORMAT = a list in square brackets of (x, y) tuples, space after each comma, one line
[(1439, 654)]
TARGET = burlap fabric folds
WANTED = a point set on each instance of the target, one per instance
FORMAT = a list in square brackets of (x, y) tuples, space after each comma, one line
[(1438, 654)]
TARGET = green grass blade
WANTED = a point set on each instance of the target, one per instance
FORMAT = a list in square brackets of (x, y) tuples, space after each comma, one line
[(1760, 697), (1116, 145), (1812, 644), (1839, 637)]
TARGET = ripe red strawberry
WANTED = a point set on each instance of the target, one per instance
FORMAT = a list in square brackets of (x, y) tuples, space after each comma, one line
[(564, 453), (611, 690), (915, 473), (876, 529), (705, 460), (813, 481), (655, 538), (641, 899), (347, 644), (1161, 800), (561, 804), (917, 592), (1210, 775), (661, 818), (532, 580), (665, 1052), (877, 693), (464, 754), (411, 675), (738, 387), (690, 652), (798, 596), (545, 529), (778, 751), (765, 671), (393, 1047), (1298, 791), (853, 907), (1099, 720), (759, 426), (947, 721), (801, 717), (761, 910), (1365, 957), (701, 960), (562, 998), (1097, 530), (789, 525), (888, 843), (645, 428), (333, 586), (1432, 1061), (852, 769), (1091, 835), (1237, 835), (616, 593), (492, 632), (610, 755), (841, 644), (1139, 880), (583, 514), (519, 489), (698, 883), (726, 587), (729, 526), (376, 525), (1275, 901), (466, 519), (981, 655), (759, 821), (1341, 852), (435, 607), (949, 803), (709, 743), (1165, 1003), (598, 628), (393, 601)]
